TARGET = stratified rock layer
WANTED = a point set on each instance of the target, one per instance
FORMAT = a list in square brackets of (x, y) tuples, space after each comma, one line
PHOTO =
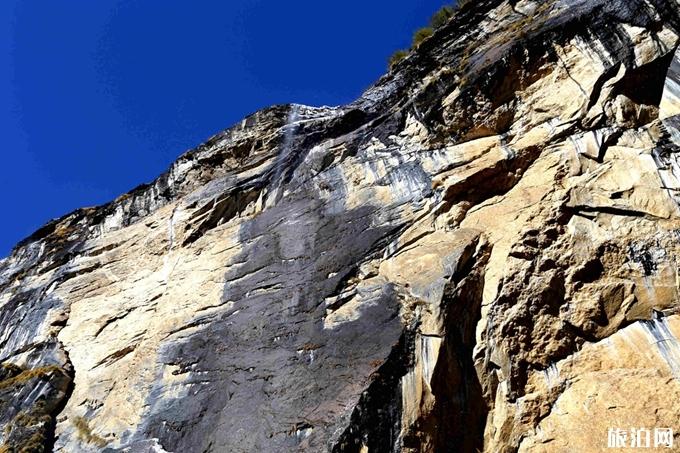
[(479, 254)]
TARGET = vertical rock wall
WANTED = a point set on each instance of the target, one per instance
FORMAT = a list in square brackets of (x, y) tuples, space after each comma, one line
[(479, 254)]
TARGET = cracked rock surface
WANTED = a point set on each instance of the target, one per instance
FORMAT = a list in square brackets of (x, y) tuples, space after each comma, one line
[(479, 254)]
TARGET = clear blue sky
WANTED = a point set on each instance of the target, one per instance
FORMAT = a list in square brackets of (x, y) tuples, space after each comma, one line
[(98, 96)]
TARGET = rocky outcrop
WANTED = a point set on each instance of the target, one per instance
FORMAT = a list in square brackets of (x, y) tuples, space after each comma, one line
[(479, 254)]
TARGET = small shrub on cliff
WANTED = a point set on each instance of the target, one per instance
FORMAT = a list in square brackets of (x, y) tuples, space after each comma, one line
[(397, 57), (441, 17), (9, 370), (26, 375), (34, 444), (86, 434), (421, 35), (461, 3)]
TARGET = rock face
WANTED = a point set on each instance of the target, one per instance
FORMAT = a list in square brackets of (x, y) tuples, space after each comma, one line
[(479, 254)]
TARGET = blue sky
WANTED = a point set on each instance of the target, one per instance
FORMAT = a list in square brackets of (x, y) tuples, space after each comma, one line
[(97, 97)]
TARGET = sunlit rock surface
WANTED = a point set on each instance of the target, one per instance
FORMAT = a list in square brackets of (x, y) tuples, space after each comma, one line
[(479, 254)]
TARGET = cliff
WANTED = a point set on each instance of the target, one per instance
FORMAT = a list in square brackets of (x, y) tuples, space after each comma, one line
[(479, 254)]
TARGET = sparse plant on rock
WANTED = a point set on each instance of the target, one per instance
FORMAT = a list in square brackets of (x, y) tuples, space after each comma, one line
[(397, 57), (421, 35), (85, 432), (438, 20), (441, 17)]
